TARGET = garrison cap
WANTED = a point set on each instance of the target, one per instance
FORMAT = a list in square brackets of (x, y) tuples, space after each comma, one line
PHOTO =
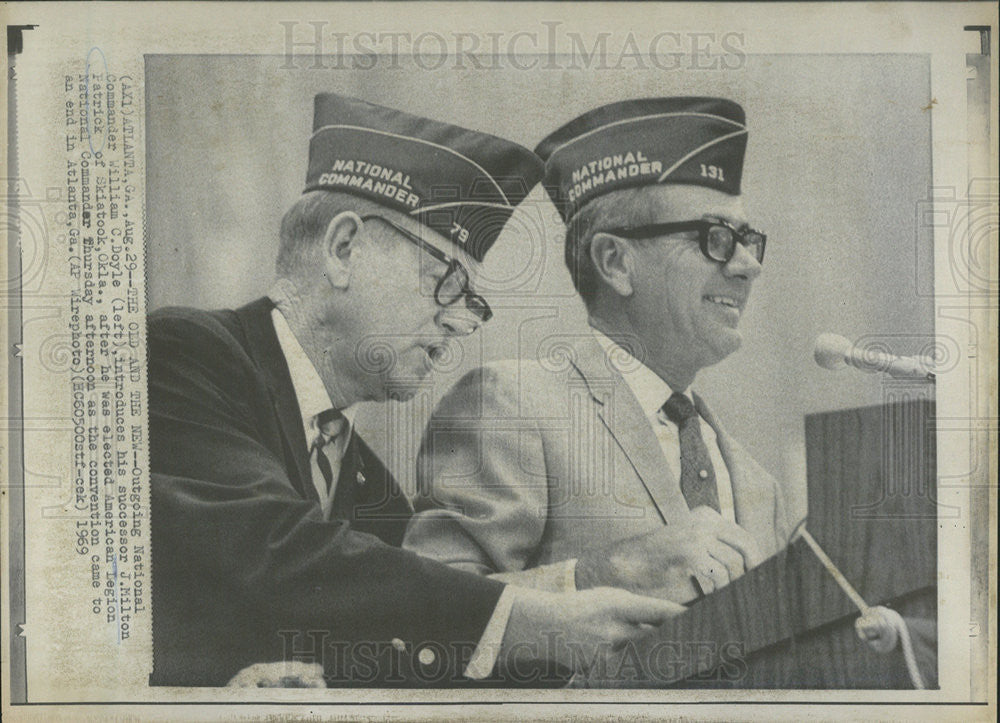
[(632, 143), (461, 183)]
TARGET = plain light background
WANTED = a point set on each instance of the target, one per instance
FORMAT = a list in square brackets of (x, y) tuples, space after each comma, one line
[(837, 173)]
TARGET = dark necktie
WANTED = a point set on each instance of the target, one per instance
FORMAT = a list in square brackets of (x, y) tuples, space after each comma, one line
[(697, 475), (331, 424)]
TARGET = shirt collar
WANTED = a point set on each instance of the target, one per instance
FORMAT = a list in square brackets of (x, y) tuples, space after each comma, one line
[(310, 392), (649, 389)]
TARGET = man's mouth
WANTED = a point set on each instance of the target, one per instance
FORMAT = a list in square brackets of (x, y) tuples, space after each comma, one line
[(727, 301)]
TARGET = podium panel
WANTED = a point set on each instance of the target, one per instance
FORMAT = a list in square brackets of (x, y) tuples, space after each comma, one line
[(786, 623), (872, 502)]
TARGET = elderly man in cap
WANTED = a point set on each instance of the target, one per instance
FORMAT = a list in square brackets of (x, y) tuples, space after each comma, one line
[(607, 469), (275, 529)]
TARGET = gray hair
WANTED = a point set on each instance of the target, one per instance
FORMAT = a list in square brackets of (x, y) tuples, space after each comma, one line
[(305, 223), (622, 208)]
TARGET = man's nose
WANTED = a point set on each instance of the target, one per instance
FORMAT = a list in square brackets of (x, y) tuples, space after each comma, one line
[(457, 320), (743, 263)]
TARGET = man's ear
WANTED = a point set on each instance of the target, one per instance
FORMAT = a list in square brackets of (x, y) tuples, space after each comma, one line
[(339, 246), (613, 259)]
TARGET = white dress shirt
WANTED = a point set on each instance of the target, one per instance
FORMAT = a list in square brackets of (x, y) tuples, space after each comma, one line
[(313, 398), (651, 392)]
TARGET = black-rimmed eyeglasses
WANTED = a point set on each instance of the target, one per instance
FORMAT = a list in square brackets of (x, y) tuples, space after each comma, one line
[(717, 239), (454, 285)]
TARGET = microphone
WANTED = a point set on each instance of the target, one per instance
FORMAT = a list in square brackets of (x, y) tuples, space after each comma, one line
[(833, 351)]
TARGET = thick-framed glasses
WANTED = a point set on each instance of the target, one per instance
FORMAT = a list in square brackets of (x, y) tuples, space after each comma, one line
[(454, 285), (717, 239)]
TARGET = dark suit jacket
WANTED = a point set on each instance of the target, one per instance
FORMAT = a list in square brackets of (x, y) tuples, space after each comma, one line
[(245, 569)]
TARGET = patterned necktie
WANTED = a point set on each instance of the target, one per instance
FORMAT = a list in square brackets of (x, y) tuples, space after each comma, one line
[(330, 424), (697, 475)]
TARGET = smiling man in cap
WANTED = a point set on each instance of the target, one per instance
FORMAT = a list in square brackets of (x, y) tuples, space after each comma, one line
[(597, 465), (275, 529)]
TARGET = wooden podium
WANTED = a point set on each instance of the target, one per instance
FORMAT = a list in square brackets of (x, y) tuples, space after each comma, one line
[(786, 624)]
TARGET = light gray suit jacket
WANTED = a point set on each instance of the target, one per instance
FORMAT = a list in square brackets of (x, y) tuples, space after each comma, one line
[(526, 463)]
